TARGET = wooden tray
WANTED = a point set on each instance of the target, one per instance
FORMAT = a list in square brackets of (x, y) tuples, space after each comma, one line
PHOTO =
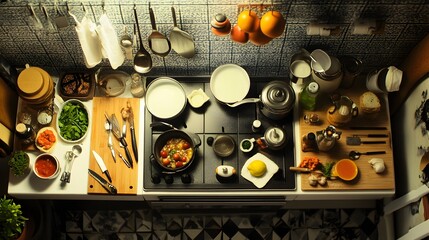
[(123, 178), (367, 179)]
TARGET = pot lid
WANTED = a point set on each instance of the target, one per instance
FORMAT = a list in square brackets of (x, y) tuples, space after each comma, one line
[(278, 95), (275, 137)]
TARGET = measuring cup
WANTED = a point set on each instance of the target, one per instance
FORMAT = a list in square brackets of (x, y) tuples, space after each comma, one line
[(70, 156)]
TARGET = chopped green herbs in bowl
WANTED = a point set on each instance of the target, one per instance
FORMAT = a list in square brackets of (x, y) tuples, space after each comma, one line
[(73, 121)]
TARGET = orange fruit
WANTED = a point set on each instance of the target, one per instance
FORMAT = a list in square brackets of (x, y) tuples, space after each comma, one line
[(258, 38), (273, 24), (248, 21), (239, 35)]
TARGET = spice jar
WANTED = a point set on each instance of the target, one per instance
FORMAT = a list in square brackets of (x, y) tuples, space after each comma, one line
[(137, 86), (26, 133)]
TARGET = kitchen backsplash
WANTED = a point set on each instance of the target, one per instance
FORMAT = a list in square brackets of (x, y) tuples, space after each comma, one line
[(58, 50)]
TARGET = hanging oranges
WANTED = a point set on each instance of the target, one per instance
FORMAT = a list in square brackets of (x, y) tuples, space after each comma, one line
[(272, 24), (248, 21)]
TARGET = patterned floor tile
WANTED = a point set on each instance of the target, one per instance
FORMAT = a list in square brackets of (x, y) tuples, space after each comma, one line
[(143, 220)]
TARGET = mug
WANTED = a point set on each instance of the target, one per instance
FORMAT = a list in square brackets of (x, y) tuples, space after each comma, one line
[(376, 81), (299, 70)]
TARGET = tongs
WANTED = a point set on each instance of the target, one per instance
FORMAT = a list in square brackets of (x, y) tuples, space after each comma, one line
[(118, 134)]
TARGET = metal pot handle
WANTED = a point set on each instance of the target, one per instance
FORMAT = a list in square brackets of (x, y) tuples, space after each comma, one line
[(159, 124), (247, 100), (195, 139)]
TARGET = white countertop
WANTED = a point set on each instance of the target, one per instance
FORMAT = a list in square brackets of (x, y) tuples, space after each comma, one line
[(31, 187)]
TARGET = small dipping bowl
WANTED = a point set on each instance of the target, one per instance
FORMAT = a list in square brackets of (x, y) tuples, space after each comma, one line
[(46, 166), (246, 145), (345, 169), (223, 145), (197, 98)]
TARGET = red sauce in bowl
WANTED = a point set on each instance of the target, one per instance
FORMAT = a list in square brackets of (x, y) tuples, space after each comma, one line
[(46, 166)]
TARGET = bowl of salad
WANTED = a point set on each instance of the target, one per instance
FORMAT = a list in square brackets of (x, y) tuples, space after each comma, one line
[(73, 121)]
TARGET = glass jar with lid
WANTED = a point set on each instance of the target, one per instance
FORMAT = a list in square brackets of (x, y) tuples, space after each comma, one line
[(138, 87)]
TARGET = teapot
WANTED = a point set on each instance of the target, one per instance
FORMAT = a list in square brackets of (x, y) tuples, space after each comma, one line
[(327, 138), (342, 111)]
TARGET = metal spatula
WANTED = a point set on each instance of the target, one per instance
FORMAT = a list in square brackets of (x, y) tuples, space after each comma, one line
[(355, 140)]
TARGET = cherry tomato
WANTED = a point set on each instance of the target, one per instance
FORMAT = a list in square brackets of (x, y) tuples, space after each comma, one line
[(185, 145), (176, 156), (184, 159), (164, 154), (179, 164), (165, 161)]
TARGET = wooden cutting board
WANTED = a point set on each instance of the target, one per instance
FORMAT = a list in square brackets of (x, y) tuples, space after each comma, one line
[(367, 179), (123, 178)]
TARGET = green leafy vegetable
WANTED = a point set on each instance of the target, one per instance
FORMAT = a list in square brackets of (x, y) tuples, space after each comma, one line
[(19, 162), (73, 121), (326, 168)]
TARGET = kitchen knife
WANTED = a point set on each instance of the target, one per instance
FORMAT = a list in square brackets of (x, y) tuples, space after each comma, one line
[(117, 132), (123, 159), (102, 165), (372, 135), (106, 185), (133, 131)]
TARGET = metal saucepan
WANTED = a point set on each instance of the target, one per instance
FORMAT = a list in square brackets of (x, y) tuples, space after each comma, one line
[(277, 100), (165, 98), (192, 138)]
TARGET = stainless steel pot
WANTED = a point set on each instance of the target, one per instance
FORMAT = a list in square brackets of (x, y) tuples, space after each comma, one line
[(277, 100)]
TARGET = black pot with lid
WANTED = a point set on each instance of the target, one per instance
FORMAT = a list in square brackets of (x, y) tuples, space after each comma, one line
[(278, 99)]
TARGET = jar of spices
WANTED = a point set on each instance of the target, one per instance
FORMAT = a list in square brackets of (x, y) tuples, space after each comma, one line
[(137, 85), (26, 133)]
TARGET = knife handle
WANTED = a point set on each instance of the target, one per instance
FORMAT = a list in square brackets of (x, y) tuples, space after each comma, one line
[(127, 152), (134, 143)]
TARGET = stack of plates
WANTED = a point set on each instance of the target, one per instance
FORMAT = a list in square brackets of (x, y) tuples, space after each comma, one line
[(35, 86)]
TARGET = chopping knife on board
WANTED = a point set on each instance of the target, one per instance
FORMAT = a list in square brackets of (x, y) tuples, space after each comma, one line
[(118, 134), (133, 130), (101, 164), (106, 185), (355, 140)]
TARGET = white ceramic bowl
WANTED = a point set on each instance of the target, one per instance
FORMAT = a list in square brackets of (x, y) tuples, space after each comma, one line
[(197, 98), (46, 166), (60, 133), (44, 148), (229, 83)]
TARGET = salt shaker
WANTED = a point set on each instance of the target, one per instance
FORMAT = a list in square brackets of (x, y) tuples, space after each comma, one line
[(137, 85)]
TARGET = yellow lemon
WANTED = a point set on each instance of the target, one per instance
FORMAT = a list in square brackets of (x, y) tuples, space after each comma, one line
[(257, 168)]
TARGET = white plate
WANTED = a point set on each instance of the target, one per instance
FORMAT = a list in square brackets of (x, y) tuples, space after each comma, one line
[(165, 98), (229, 83), (261, 181)]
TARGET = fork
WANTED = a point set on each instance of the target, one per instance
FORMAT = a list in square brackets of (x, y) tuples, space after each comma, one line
[(108, 127)]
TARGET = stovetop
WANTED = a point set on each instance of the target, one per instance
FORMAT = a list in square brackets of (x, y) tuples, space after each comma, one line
[(211, 119)]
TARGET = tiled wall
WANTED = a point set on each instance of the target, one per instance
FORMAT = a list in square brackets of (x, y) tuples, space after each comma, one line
[(407, 22)]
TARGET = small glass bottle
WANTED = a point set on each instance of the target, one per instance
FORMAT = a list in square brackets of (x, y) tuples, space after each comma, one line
[(137, 86), (26, 133), (308, 96), (309, 143)]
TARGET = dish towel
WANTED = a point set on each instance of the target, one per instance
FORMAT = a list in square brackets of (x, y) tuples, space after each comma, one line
[(109, 42), (89, 41)]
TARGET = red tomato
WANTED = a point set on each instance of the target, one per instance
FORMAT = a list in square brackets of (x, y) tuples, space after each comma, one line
[(179, 164), (165, 161), (185, 145), (164, 154), (176, 156), (184, 159)]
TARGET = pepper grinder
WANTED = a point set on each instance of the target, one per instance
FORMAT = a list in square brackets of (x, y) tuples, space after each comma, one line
[(327, 138)]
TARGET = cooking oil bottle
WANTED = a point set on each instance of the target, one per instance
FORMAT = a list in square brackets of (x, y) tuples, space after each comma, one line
[(308, 96)]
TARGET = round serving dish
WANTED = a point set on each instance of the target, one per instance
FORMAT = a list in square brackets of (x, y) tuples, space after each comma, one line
[(73, 128)]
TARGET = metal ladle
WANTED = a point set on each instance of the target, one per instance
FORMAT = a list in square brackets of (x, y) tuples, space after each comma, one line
[(158, 42), (70, 156), (354, 155), (142, 59)]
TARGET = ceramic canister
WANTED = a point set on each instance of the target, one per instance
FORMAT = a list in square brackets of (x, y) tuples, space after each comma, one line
[(330, 80)]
